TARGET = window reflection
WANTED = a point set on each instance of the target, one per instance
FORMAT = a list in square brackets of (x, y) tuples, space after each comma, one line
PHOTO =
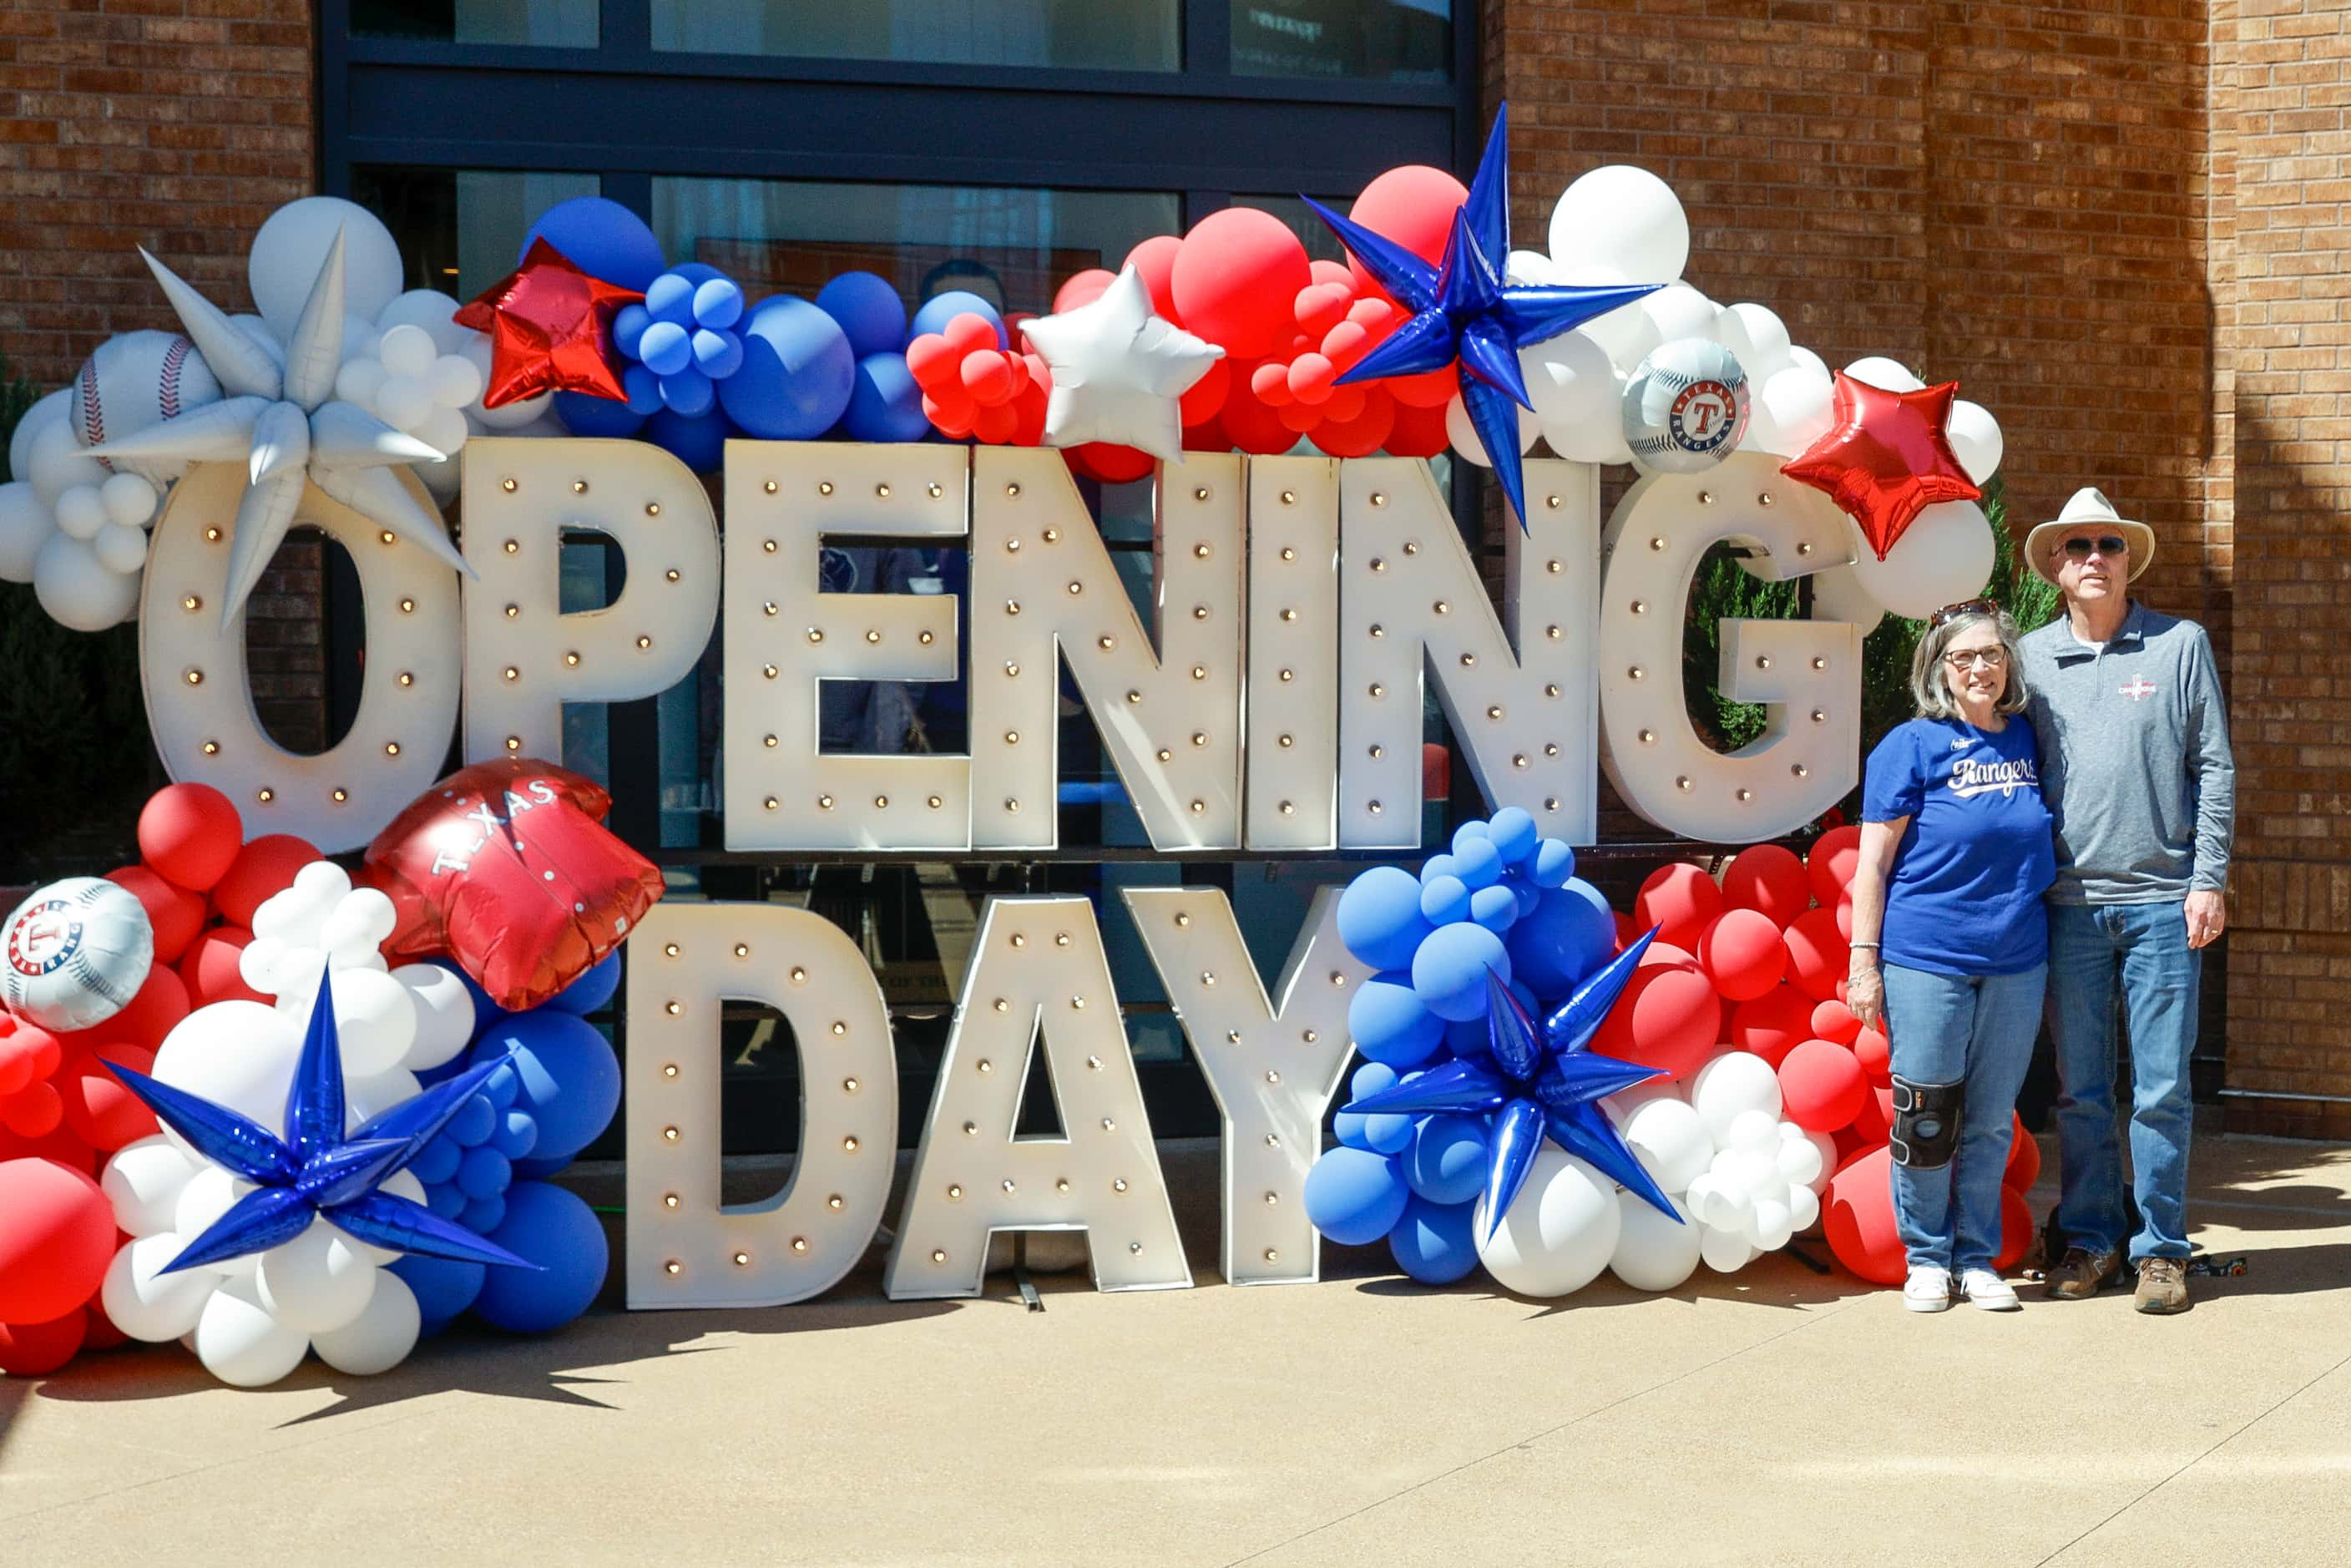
[(1102, 35), (1363, 40), (548, 23), (459, 229)]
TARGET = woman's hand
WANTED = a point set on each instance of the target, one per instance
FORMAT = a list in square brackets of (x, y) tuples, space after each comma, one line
[(1864, 994)]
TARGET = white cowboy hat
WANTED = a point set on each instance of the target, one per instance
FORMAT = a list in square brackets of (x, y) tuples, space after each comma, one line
[(2088, 509)]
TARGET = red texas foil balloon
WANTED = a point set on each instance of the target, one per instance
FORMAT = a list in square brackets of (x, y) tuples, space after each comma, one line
[(1887, 458), (507, 867)]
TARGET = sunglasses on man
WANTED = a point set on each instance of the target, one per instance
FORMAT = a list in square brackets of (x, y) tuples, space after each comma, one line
[(2107, 545)]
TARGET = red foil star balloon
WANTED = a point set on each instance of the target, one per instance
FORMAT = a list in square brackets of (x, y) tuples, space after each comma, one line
[(550, 328), (1887, 458)]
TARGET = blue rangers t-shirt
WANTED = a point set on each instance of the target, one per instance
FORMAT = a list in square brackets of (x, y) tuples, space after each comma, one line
[(1965, 894)]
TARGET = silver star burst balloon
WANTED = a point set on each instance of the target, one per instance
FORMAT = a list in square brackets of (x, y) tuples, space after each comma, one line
[(284, 424)]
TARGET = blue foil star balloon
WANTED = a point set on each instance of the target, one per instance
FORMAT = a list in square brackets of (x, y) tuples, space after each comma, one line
[(316, 1171), (1462, 309), (1544, 1080)]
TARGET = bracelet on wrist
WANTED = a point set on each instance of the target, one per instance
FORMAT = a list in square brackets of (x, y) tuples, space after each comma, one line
[(1858, 945)]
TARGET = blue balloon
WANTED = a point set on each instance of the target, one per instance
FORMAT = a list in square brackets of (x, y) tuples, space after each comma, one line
[(570, 1078), (885, 404), (502, 1089), (593, 989), (937, 311), (716, 354), (537, 1169), (1351, 1129), (1388, 1021), (1380, 919), (1433, 1242), (473, 1122), (556, 1230), (1370, 1079), (516, 1136), (644, 388), (602, 239), (1443, 899), (629, 330), (1565, 939), (442, 1287), (1471, 833), (584, 415), (1553, 865), (1449, 970), (698, 441), (1494, 907), (697, 272), (1513, 833), (688, 392), (1477, 862), (484, 1172), (666, 348), (1434, 867), (717, 303), (446, 1200), (796, 372), (1447, 1163), (437, 1161), (1468, 1039), (1389, 1132), (670, 299), (1354, 1195), (1528, 894), (869, 310), (483, 1215)]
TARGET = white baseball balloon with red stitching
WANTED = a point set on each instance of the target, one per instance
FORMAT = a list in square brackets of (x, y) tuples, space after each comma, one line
[(135, 380)]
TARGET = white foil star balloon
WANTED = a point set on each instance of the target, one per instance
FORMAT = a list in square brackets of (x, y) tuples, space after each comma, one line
[(1118, 371), (288, 431)]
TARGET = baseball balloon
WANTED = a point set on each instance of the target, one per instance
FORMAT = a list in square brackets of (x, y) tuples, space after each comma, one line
[(135, 380), (1686, 407), (75, 953)]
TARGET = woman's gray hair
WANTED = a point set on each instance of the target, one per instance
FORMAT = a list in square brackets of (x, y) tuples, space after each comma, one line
[(1929, 681)]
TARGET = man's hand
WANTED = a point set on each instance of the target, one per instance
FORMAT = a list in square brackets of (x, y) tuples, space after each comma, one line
[(2208, 916)]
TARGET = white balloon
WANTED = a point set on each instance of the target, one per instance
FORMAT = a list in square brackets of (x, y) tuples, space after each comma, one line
[(148, 1304), (358, 381), (512, 417), (408, 352), (442, 429), (25, 524), (365, 1099), (54, 409), (1615, 331), (1755, 1130), (1799, 1159), (1838, 595), (1724, 1250), (360, 338), (75, 589), (291, 249), (55, 462), (1804, 1208), (1746, 1174), (1886, 375), (1722, 1209), (237, 1053), (1804, 359), (1943, 556), (1599, 439), (431, 309), (1801, 403), (1621, 1105), (1464, 435), (445, 1014), (294, 913), (258, 332), (375, 1022), (1622, 218), (1680, 311), (129, 500), (1975, 439), (381, 1337), (1757, 335), (401, 1184), (454, 380), (120, 549), (361, 918), (1768, 1227), (1828, 1152), (80, 512), (143, 1182), (1670, 1142), (1570, 380), (1653, 1252), (209, 1195), (1558, 1233), (319, 1280), (240, 1341), (1734, 1081), (402, 401)]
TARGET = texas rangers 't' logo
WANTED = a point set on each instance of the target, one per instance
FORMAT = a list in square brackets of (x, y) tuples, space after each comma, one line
[(43, 939), (2139, 687), (1703, 416)]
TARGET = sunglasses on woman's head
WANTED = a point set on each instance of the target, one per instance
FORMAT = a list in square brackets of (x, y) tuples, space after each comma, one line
[(1965, 607), (2107, 545)]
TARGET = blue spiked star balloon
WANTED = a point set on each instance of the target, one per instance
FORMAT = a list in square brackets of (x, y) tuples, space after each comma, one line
[(316, 1171), (1463, 309), (1545, 1079)]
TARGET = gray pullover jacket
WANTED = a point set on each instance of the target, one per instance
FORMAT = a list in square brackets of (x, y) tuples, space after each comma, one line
[(2135, 761)]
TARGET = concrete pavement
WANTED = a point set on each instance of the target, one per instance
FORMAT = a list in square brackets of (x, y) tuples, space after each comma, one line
[(1774, 1416)]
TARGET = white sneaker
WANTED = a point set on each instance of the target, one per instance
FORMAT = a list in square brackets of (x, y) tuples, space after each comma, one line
[(1984, 1289), (1929, 1289)]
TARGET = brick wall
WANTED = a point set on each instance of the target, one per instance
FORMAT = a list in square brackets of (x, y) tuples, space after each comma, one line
[(178, 125)]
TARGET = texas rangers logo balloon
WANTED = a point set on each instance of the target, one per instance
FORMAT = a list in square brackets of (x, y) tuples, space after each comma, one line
[(1686, 407), (75, 953)]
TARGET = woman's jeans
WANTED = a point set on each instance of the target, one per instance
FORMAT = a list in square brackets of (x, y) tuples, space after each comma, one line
[(2141, 948), (1976, 1029)]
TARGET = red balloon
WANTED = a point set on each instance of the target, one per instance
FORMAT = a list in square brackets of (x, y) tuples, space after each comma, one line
[(1361, 435), (102, 1334), (1208, 435), (189, 833), (950, 411), (1741, 953), (988, 378), (1857, 1216), (57, 1146), (1207, 394), (1773, 1024), (2024, 1157), (98, 1110), (1817, 957), (173, 914), (1083, 289), (1887, 458), (1429, 389), (1254, 427), (2015, 1230), (1845, 914), (264, 869), (1770, 880), (971, 333), (1836, 855), (56, 1237), (1028, 409), (1419, 431), (995, 425), (1667, 1016), (36, 1350), (1155, 259), (154, 1013), (1821, 1086), (1682, 899), (1112, 465), (1834, 1021), (1873, 1124), (35, 1112), (933, 362), (1236, 278), (209, 969), (1875, 1055), (27, 1052), (1412, 204), (523, 915)]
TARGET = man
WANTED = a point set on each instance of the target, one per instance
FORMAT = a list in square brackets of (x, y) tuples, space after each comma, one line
[(2135, 769)]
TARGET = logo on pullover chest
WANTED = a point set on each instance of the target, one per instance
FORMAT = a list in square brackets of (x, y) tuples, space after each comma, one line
[(2140, 687), (1970, 778)]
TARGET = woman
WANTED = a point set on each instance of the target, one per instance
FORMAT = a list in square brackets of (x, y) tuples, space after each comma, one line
[(1951, 944)]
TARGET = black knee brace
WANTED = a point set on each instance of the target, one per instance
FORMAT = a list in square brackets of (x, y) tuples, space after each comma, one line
[(1925, 1123)]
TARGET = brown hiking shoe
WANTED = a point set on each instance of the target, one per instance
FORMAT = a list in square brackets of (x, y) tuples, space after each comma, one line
[(2162, 1286), (2082, 1275)]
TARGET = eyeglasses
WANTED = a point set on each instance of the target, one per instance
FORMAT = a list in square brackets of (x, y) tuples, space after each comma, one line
[(2107, 545), (1967, 658), (1964, 607)]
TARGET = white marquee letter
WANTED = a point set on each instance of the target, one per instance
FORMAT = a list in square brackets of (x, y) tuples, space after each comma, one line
[(1293, 678)]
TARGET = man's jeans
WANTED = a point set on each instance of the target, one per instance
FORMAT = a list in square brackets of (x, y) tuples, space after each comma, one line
[(2143, 949), (1975, 1029)]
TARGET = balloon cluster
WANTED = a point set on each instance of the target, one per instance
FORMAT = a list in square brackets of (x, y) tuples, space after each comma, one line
[(681, 340), (198, 886), (974, 386), (420, 372)]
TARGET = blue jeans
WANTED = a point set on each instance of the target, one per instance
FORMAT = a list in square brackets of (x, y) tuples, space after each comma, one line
[(2143, 949), (1975, 1029)]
